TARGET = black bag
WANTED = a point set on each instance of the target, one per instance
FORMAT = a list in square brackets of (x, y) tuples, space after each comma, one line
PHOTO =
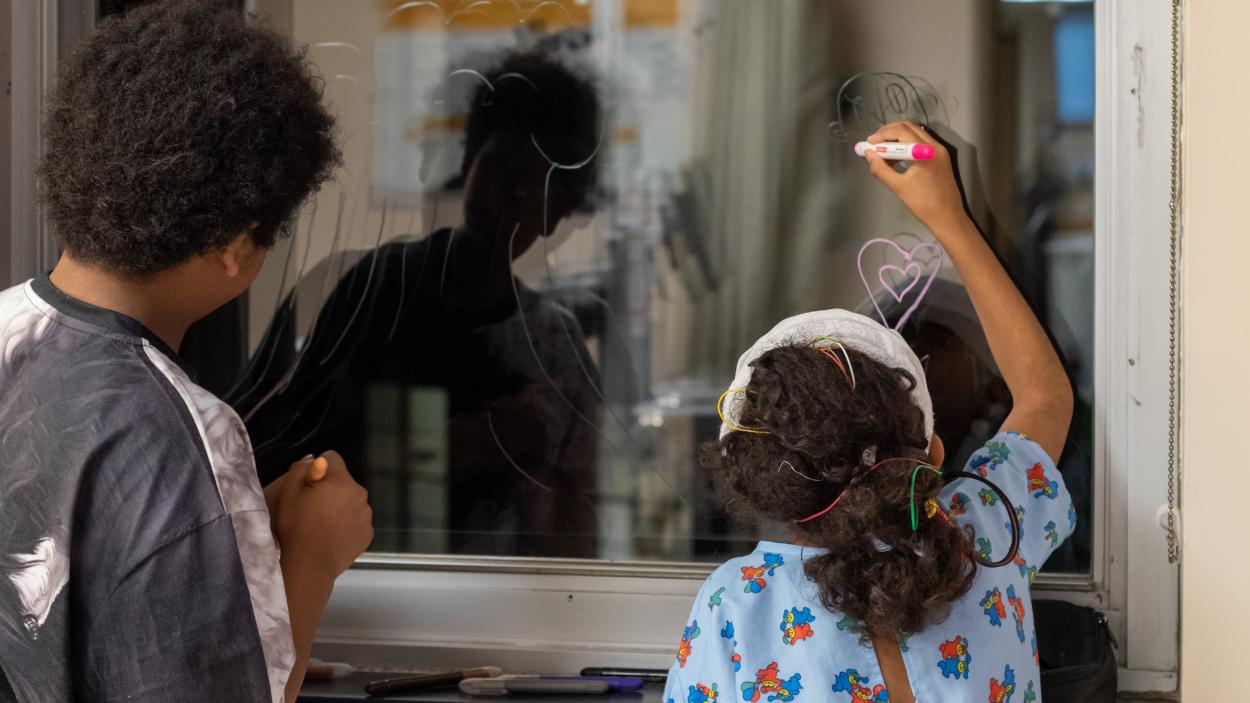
[(1077, 653)]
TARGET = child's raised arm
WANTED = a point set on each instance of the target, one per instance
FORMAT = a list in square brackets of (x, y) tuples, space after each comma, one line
[(1040, 391)]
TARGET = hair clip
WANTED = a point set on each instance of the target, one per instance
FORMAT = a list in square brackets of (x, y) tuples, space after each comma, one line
[(869, 456), (933, 510), (915, 520)]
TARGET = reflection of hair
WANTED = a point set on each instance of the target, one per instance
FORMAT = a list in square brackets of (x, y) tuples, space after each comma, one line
[(538, 98), (816, 423), (963, 378), (172, 128)]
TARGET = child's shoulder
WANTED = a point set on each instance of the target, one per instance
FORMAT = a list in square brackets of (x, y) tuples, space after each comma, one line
[(20, 320), (1003, 448), (57, 365), (119, 407), (769, 564), (1012, 474)]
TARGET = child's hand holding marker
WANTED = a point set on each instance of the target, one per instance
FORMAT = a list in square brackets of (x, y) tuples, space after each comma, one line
[(896, 151), (323, 514), (322, 521), (928, 187), (294, 508), (317, 471), (1041, 393)]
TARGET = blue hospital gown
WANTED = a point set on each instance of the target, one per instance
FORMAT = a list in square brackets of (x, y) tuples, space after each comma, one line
[(758, 632)]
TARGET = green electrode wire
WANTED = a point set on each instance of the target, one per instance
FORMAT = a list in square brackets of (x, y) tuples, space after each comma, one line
[(915, 521)]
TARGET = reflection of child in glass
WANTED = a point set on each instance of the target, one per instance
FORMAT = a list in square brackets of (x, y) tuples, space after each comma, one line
[(137, 548), (445, 312), (970, 399), (829, 427)]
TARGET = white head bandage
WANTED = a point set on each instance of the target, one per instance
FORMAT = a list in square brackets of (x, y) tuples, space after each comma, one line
[(855, 331)]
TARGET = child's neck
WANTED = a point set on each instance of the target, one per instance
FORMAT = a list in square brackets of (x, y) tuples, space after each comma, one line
[(156, 302)]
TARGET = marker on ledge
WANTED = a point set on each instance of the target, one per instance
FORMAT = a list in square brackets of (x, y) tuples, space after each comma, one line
[(532, 685), (896, 151), (423, 682), (318, 669), (647, 675)]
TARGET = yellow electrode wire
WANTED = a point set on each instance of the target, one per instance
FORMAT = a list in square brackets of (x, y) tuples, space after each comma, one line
[(720, 410)]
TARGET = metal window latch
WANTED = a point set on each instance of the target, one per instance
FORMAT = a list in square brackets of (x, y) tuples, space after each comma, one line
[(1102, 620)]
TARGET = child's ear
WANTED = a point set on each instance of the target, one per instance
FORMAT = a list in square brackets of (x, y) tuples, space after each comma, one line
[(239, 252), (937, 451)]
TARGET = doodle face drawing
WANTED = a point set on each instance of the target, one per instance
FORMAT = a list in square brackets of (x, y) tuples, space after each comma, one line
[(868, 101)]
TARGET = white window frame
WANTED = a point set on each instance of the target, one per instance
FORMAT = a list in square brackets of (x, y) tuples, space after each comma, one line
[(560, 615), (1132, 245)]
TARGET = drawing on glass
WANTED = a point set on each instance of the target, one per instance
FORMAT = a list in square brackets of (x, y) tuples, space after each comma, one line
[(513, 311), (867, 101)]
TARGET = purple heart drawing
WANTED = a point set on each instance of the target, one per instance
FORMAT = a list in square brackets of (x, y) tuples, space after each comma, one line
[(908, 279), (905, 273)]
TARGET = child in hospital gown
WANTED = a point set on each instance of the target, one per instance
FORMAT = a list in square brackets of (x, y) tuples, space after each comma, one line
[(925, 584), (758, 632)]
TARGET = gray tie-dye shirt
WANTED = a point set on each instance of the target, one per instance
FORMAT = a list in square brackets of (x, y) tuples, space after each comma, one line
[(136, 561)]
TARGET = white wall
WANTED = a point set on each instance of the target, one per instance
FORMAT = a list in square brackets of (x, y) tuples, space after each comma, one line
[(1215, 635)]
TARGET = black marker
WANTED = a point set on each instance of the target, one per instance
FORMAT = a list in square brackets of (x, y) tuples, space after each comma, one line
[(423, 682), (647, 675)]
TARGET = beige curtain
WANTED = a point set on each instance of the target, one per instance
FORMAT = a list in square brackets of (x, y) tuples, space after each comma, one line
[(761, 174)]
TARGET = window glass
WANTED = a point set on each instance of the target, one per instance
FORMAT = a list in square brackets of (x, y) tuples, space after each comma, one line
[(559, 223)]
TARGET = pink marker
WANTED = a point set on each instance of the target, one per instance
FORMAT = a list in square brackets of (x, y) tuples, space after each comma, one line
[(896, 151)]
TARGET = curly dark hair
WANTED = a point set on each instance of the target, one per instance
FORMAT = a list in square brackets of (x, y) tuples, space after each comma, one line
[(173, 128), (872, 571), (539, 98)]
